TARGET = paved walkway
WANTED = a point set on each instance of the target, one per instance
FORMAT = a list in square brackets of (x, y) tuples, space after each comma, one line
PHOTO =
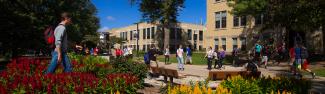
[(200, 73)]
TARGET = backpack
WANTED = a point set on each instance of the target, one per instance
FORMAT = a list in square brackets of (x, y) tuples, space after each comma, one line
[(251, 67), (146, 58), (49, 36)]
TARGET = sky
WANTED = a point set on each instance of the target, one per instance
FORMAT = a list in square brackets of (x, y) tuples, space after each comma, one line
[(120, 13)]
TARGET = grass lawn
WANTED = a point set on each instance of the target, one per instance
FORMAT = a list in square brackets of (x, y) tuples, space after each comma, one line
[(197, 59), (320, 72)]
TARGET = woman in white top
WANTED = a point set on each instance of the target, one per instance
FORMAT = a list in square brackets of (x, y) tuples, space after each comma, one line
[(209, 56), (180, 58), (167, 53)]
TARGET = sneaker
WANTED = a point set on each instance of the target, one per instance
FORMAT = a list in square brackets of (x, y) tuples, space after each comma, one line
[(313, 75)]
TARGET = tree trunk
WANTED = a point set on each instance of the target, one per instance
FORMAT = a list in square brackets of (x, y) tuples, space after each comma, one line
[(323, 34), (166, 35)]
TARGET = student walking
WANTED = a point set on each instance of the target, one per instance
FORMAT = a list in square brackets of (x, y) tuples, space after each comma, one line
[(216, 59), (265, 54), (222, 55), (304, 57), (298, 60), (59, 55), (152, 54), (258, 49), (209, 56), (180, 59), (235, 57), (167, 54), (188, 55)]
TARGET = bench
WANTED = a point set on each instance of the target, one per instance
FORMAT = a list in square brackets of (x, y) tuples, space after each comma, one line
[(221, 75), (165, 72)]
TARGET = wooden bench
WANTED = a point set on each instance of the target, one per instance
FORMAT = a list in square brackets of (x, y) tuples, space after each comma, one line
[(165, 72), (221, 75)]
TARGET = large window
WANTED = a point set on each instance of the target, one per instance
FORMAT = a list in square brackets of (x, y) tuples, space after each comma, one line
[(221, 19), (240, 21), (234, 43), (131, 35), (195, 37), (144, 34), (216, 43), (144, 48), (243, 43), (224, 43), (152, 32), (259, 19), (148, 33), (201, 35), (189, 34)]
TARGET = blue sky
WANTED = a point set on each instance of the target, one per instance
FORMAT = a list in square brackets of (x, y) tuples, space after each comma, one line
[(119, 13)]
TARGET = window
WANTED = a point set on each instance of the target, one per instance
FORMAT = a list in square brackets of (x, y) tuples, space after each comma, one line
[(243, 21), (195, 37), (259, 19), (221, 19), (121, 35), (201, 35), (224, 43), (144, 34), (144, 48), (240, 21), (189, 34), (152, 32), (148, 33), (216, 43), (126, 35), (234, 43), (148, 47), (172, 33), (243, 43), (236, 21), (131, 35)]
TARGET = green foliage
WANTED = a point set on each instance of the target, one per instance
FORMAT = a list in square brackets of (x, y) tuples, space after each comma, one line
[(25, 21), (264, 85), (124, 65)]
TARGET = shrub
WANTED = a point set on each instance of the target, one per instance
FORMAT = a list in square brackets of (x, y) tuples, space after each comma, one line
[(124, 65)]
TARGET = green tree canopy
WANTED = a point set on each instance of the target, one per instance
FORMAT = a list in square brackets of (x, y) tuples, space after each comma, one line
[(24, 21)]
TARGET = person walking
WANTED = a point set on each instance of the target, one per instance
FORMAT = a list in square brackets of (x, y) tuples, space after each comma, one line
[(222, 55), (209, 56), (235, 57), (59, 55), (130, 51), (292, 60), (180, 58), (188, 55), (152, 54), (167, 54), (258, 49), (305, 63), (298, 60), (118, 52), (215, 55), (125, 52), (265, 55)]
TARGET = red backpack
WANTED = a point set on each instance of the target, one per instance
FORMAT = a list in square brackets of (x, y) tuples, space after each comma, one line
[(49, 36)]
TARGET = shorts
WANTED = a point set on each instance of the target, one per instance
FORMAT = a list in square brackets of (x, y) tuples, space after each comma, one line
[(298, 63), (305, 65)]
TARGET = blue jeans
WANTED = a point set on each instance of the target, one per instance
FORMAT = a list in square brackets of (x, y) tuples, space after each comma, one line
[(54, 63), (180, 62)]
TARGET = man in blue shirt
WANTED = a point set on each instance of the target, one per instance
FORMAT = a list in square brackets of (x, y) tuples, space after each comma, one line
[(188, 55)]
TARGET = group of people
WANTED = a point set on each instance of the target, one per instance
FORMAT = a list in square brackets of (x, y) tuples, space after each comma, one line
[(299, 60), (126, 52), (215, 55), (85, 50)]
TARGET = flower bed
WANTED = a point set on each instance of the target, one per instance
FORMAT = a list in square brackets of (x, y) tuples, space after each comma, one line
[(25, 75), (240, 85)]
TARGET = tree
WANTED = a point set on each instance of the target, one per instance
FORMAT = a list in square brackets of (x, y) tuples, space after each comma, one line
[(292, 15), (163, 12), (23, 21)]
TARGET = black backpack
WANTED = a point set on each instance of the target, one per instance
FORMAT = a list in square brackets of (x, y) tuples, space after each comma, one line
[(251, 67)]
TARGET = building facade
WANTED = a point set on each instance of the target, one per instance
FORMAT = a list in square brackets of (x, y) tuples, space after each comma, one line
[(152, 34), (224, 31)]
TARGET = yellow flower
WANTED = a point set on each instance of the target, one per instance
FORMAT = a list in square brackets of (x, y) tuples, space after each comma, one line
[(117, 92)]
